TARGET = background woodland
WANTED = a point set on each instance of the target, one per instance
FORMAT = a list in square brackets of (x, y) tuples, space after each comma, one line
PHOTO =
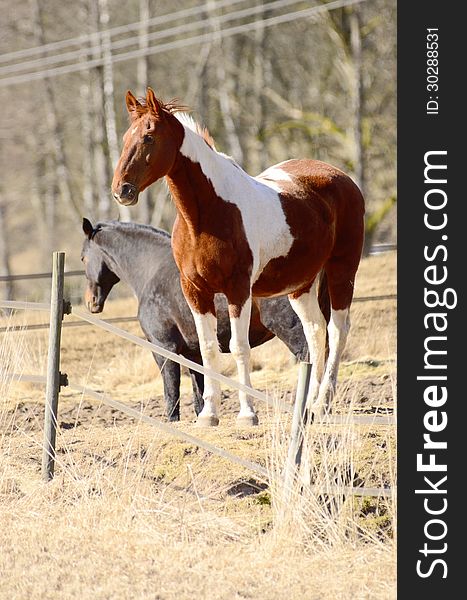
[(271, 80)]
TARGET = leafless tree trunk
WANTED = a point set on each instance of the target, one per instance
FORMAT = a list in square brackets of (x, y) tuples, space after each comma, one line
[(55, 129), (143, 43), (96, 110), (8, 292), (198, 79), (346, 31), (89, 207), (44, 197), (142, 78), (99, 158), (224, 91), (200, 87), (197, 93), (356, 54), (108, 89), (43, 190), (225, 95), (259, 159)]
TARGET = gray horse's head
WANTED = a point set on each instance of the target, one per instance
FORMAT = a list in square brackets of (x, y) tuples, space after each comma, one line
[(100, 277)]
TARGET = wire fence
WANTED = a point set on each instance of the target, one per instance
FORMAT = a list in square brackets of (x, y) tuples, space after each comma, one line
[(66, 324), (256, 468), (55, 380), (375, 249), (108, 325), (123, 319)]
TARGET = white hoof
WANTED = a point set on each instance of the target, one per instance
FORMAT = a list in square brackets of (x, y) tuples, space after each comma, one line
[(247, 420), (207, 421)]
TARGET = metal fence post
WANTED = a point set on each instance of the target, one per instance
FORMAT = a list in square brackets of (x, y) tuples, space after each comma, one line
[(294, 455), (54, 378)]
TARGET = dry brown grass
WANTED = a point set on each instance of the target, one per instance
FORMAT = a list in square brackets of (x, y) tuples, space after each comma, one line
[(133, 513)]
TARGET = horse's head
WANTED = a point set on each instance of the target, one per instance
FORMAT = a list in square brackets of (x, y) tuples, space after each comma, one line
[(150, 147), (100, 278)]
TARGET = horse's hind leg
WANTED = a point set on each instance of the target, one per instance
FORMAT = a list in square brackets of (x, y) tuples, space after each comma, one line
[(240, 349), (197, 383), (341, 284), (307, 307), (338, 329)]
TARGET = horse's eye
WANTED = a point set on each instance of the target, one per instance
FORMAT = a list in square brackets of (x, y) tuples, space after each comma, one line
[(148, 139)]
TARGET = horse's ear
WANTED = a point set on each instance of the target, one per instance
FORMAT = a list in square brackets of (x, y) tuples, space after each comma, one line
[(153, 103), (132, 103), (88, 229)]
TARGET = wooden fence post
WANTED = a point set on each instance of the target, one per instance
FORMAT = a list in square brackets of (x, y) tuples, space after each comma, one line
[(54, 378), (294, 455)]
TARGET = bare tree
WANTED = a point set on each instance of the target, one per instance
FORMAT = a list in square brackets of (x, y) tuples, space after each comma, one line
[(319, 87), (224, 89), (108, 89), (89, 206), (55, 136), (8, 293), (95, 109), (42, 195), (259, 159), (142, 82), (357, 97), (345, 31)]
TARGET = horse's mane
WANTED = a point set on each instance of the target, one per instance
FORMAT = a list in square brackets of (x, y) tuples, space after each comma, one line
[(201, 130), (173, 106), (180, 111), (129, 226)]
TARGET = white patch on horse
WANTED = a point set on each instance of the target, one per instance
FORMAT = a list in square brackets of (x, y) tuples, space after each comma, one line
[(134, 130), (267, 231), (206, 327), (275, 173)]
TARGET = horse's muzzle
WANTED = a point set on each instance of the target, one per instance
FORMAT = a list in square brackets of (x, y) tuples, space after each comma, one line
[(128, 194), (95, 308)]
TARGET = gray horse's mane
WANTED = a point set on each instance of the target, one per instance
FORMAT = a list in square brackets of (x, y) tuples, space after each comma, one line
[(132, 227)]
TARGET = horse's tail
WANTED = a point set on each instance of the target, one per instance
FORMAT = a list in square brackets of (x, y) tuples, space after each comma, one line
[(323, 295)]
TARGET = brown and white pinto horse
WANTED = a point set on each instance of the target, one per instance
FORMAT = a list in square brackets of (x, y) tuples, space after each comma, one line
[(242, 236)]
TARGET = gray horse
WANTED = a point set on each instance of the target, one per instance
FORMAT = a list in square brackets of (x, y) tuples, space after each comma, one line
[(141, 256)]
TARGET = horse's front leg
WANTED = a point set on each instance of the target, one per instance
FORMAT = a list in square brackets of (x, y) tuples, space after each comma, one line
[(170, 372), (240, 348), (204, 315)]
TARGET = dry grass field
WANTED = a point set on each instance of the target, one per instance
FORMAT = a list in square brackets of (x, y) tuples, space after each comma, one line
[(133, 513)]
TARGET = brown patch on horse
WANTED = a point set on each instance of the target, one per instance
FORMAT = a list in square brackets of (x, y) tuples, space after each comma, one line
[(209, 245), (216, 236), (316, 199)]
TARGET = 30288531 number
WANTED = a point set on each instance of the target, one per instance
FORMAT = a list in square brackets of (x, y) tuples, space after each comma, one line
[(432, 74)]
